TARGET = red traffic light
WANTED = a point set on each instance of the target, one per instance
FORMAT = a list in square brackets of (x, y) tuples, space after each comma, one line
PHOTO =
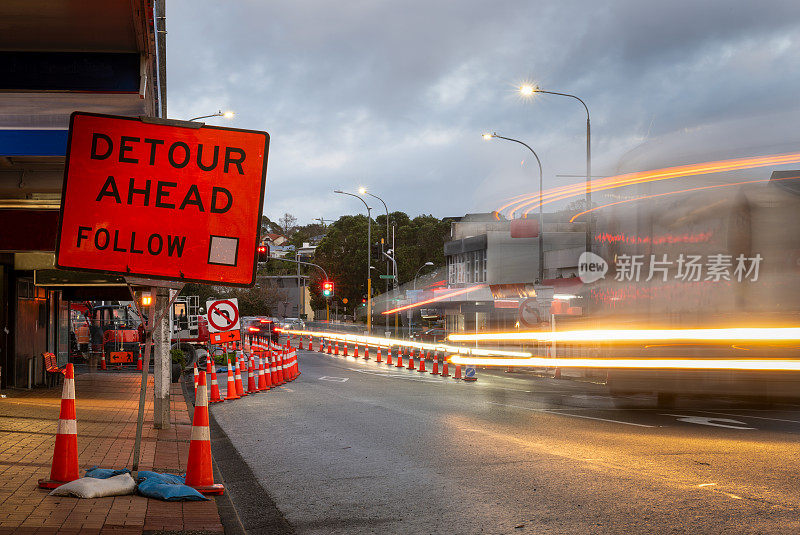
[(262, 251), (327, 288)]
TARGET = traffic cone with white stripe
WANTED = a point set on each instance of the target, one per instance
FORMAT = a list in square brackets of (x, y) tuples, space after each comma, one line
[(139, 361), (238, 379), (262, 381), (389, 356), (411, 359), (345, 347), (230, 394), (199, 472), (422, 359), (379, 358), (445, 371), (211, 371), (366, 351), (251, 376), (336, 348), (64, 467), (458, 372), (435, 365), (399, 358), (355, 353), (103, 360), (195, 379), (281, 364)]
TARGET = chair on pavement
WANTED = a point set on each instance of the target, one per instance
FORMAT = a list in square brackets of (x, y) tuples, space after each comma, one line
[(53, 371)]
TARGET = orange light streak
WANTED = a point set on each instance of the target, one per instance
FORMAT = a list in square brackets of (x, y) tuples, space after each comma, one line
[(435, 299), (677, 192), (531, 201)]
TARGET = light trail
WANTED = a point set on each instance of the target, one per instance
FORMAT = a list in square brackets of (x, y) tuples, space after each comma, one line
[(435, 299), (531, 202), (643, 197), (728, 335), (379, 341), (656, 364)]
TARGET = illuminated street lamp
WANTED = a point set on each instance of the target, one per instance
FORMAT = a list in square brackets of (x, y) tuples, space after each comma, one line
[(369, 253), (426, 264), (528, 90), (541, 217), (226, 114)]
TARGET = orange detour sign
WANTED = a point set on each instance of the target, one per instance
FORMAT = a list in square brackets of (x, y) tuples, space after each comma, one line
[(162, 199)]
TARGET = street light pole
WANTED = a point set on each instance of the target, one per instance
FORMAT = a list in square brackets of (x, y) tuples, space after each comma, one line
[(528, 90), (541, 216), (369, 257), (220, 113), (364, 191), (410, 322)]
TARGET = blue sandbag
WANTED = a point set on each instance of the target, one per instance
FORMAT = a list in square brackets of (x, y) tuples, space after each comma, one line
[(104, 473), (167, 487)]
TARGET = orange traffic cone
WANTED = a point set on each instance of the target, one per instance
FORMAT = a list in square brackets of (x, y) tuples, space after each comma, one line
[(345, 348), (411, 360), (379, 358), (445, 371), (139, 362), (399, 359), (238, 378), (262, 380), (65, 454), (389, 356), (366, 351), (355, 353), (212, 372), (336, 348), (195, 379), (458, 372), (251, 376), (422, 360), (103, 360), (199, 473), (435, 365), (231, 391), (282, 364)]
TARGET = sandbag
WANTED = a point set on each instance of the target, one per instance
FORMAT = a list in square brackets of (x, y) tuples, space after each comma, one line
[(104, 473), (92, 487), (167, 487)]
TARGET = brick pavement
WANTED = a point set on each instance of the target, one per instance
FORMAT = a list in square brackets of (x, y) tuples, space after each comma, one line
[(106, 405)]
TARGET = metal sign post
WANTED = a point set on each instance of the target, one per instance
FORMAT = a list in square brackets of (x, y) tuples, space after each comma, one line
[(152, 320)]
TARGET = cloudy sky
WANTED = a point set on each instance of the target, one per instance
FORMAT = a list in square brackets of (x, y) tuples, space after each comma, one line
[(394, 95)]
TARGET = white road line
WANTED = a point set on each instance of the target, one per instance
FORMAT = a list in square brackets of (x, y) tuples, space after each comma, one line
[(748, 416), (714, 422), (567, 414)]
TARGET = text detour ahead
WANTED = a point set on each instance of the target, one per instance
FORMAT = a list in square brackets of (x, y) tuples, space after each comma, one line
[(162, 201)]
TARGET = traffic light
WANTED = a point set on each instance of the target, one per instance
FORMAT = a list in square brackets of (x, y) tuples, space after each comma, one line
[(263, 253), (327, 288)]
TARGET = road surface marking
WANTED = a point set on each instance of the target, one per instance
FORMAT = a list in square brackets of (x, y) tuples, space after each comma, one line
[(705, 420), (399, 376), (333, 379), (748, 416), (556, 412)]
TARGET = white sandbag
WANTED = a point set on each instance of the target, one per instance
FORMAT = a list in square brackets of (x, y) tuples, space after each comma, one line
[(89, 487)]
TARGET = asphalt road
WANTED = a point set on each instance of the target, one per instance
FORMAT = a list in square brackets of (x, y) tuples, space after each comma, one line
[(359, 447)]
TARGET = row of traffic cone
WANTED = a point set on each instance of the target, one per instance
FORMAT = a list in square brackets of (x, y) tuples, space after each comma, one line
[(332, 348)]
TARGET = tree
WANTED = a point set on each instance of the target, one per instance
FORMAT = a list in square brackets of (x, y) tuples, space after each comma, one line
[(343, 252), (287, 222), (269, 227)]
